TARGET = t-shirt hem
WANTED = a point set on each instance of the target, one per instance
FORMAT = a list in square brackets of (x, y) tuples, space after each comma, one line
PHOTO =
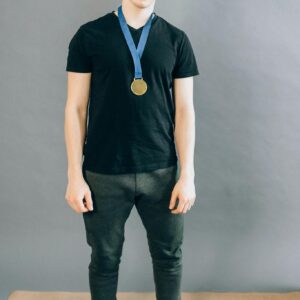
[(186, 74), (78, 70), (130, 169)]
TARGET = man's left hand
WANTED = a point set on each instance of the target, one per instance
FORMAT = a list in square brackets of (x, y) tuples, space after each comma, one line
[(184, 190)]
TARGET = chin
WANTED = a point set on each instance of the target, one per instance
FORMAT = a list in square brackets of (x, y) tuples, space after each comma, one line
[(142, 3)]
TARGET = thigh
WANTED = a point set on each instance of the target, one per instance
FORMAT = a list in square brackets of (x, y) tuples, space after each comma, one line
[(164, 229), (113, 199)]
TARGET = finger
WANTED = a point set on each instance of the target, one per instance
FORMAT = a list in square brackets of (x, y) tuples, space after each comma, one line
[(72, 204), (173, 200), (179, 207), (186, 207), (80, 206), (89, 201)]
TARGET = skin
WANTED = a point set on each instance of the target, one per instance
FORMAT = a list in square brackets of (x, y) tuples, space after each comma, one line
[(78, 194)]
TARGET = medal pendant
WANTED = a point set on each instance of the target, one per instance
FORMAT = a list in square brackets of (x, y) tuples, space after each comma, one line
[(139, 86)]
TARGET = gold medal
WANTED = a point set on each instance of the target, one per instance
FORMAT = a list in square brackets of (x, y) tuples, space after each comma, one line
[(139, 86)]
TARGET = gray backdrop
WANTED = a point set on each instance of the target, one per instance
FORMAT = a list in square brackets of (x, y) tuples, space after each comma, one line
[(243, 232)]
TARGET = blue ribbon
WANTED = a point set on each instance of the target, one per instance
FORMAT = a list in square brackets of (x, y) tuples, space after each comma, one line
[(136, 53)]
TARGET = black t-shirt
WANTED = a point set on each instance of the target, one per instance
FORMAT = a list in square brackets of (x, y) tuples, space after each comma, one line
[(129, 133)]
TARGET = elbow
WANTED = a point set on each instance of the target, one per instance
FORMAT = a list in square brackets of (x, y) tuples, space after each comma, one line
[(72, 108), (185, 112), (75, 105)]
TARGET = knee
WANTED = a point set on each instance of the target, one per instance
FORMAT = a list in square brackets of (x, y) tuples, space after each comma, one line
[(104, 263), (168, 257)]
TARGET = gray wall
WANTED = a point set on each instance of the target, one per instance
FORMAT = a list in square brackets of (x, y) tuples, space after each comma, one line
[(243, 232)]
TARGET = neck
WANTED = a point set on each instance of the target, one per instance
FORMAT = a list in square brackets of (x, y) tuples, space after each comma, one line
[(135, 16)]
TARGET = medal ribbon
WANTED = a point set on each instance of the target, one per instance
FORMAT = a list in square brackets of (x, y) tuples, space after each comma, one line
[(136, 53)]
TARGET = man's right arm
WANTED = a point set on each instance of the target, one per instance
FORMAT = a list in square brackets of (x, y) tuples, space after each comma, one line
[(78, 88)]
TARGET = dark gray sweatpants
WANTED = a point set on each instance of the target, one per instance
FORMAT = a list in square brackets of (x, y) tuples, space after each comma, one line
[(114, 195)]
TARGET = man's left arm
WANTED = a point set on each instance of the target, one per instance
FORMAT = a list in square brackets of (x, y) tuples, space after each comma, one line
[(184, 135)]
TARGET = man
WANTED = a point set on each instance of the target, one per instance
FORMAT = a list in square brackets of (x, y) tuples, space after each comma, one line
[(129, 145)]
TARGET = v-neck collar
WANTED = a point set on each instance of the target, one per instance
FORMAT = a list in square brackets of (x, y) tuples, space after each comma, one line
[(132, 28)]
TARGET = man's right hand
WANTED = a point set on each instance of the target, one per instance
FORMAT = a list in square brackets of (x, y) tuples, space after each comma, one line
[(78, 195)]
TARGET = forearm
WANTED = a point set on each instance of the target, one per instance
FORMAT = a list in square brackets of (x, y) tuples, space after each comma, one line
[(185, 141), (75, 130)]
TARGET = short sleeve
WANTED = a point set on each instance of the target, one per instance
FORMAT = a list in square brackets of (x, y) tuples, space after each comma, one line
[(186, 64), (78, 59)]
